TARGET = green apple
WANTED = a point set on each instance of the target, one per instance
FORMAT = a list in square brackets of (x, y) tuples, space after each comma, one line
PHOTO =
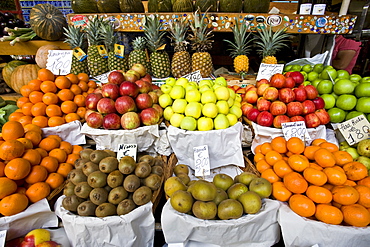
[(346, 102), (230, 102), (205, 82), (287, 68), (353, 114), (223, 107), (304, 75), (179, 105), (208, 97), (177, 92), (311, 76), (343, 74), (204, 88), (335, 95), (336, 115), (216, 86), (191, 87), (362, 90), (168, 112), (176, 119), (355, 78), (210, 110), (170, 81), (232, 119), (365, 79), (318, 68), (222, 93), (325, 86), (329, 74), (236, 111), (232, 93), (182, 81), (316, 82), (307, 68), (296, 67), (238, 104), (188, 123), (329, 100), (305, 83), (221, 122), (221, 81), (165, 100), (205, 123), (238, 98), (363, 105), (193, 109), (165, 88), (343, 86), (193, 95)]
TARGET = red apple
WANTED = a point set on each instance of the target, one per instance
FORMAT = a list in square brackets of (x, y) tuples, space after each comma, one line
[(297, 77), (277, 80), (289, 82), (97, 90), (265, 118), (155, 87), (129, 88), (286, 95), (159, 109), (144, 86), (27, 244), (278, 108), (130, 120), (149, 116), (262, 81), (143, 101), (263, 104), (154, 97), (88, 112), (312, 120), (319, 103), (251, 96), (48, 244), (112, 121), (147, 78), (278, 120), (110, 90), (308, 107), (250, 87), (94, 120), (106, 106), (125, 104), (294, 109), (157, 91), (252, 114), (297, 119), (139, 68), (130, 77), (323, 115), (262, 88), (300, 94), (91, 100), (311, 91), (271, 93), (116, 77), (246, 107), (16, 242)]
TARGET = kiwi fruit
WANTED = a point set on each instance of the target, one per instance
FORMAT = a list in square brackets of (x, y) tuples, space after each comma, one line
[(153, 181), (97, 179), (131, 183), (158, 161), (98, 196), (86, 208), (76, 176), (89, 167), (110, 152), (116, 195), (142, 195), (69, 188), (115, 179), (143, 169), (71, 202), (157, 170), (125, 207), (97, 155), (79, 163), (108, 164), (83, 190), (127, 165), (147, 158), (105, 209), (85, 154), (108, 188)]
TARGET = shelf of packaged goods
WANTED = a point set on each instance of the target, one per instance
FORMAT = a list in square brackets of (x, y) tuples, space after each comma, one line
[(28, 47)]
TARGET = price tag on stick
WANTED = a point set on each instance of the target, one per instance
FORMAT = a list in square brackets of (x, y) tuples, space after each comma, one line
[(355, 129), (267, 70), (194, 76), (127, 150), (59, 61), (295, 129), (201, 160)]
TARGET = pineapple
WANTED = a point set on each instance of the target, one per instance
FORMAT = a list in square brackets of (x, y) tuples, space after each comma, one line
[(76, 39), (181, 60), (159, 59), (201, 42), (138, 55), (269, 42), (239, 49), (115, 62), (97, 63)]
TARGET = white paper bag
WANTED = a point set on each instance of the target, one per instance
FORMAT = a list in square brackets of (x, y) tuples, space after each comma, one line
[(70, 132)]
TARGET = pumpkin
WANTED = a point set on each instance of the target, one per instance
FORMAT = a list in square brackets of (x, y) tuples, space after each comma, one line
[(9, 68), (131, 6), (41, 57), (183, 6), (205, 4), (47, 21), (22, 75)]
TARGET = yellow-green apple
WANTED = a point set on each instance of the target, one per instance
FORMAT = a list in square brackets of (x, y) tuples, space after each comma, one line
[(223, 107), (182, 81), (238, 98), (232, 119), (271, 93), (143, 101), (286, 95), (129, 89), (205, 82), (265, 118), (188, 123), (232, 93), (221, 122), (278, 108), (176, 119), (130, 120), (236, 111), (177, 92), (204, 88), (278, 120), (193, 109), (168, 112), (312, 120), (222, 93), (205, 123), (221, 81), (230, 102), (179, 105), (193, 95), (170, 81), (210, 110), (165, 100), (308, 107), (166, 88), (208, 97), (294, 108), (263, 104)]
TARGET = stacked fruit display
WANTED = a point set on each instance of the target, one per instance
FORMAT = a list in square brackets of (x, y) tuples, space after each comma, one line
[(224, 198), (35, 238), (128, 101), (51, 100), (317, 181), (283, 99), (359, 152), (31, 166), (101, 185), (205, 106)]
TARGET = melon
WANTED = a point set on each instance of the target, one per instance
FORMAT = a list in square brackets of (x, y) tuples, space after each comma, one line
[(41, 57), (22, 75)]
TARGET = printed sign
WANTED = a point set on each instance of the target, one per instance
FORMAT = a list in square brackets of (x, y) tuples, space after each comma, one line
[(127, 150), (103, 78), (2, 237), (59, 61), (295, 129), (194, 76), (201, 160), (355, 129), (267, 70)]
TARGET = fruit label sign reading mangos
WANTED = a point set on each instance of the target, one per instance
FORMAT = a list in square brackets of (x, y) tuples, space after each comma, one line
[(267, 70), (2, 237), (201, 161), (103, 78), (59, 61), (127, 150), (355, 129), (295, 129), (194, 76)]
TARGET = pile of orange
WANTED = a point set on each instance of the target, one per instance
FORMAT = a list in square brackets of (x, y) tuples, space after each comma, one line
[(317, 181), (50, 100), (31, 166)]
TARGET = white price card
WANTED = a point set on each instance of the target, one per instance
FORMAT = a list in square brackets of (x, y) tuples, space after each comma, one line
[(194, 76), (103, 78), (201, 160), (127, 150), (2, 237), (267, 70), (59, 61), (355, 129), (295, 129)]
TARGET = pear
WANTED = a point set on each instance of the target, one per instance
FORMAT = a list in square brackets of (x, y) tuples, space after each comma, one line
[(363, 148), (365, 161)]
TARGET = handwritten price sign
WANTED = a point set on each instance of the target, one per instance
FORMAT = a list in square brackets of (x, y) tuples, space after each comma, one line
[(267, 70), (194, 76), (295, 129), (103, 78), (59, 61), (127, 150), (2, 237), (201, 158), (355, 129)]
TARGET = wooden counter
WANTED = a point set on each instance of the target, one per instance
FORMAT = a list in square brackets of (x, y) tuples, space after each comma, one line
[(29, 47)]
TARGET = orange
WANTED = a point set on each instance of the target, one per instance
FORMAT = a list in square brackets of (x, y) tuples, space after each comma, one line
[(345, 195), (295, 182), (26, 143), (295, 145), (342, 157), (42, 152), (50, 163), (281, 168), (12, 130), (40, 121), (26, 109), (91, 90), (49, 143), (319, 194), (83, 77), (71, 158), (76, 90), (62, 82), (309, 152), (25, 90), (54, 180), (324, 158), (356, 215), (48, 87), (265, 147), (25, 120), (73, 78), (257, 149), (329, 146), (59, 154), (34, 136), (56, 137), (32, 127), (11, 149), (50, 99), (17, 168), (262, 165), (7, 187), (35, 84), (315, 177), (38, 109), (45, 75), (350, 183), (270, 175), (92, 84), (35, 97), (66, 146), (56, 121), (70, 117), (298, 162), (32, 156), (64, 169), (53, 111), (65, 95), (280, 192), (316, 166), (38, 191), (258, 156), (15, 116), (364, 192), (22, 100), (2, 167), (81, 111), (317, 142), (335, 176), (79, 100), (328, 214), (272, 157), (355, 170), (83, 85), (13, 204), (364, 181), (77, 149), (302, 205), (37, 174), (279, 144), (68, 107)]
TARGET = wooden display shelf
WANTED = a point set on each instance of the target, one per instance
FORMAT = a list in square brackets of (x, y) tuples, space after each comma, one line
[(29, 47), (11, 96)]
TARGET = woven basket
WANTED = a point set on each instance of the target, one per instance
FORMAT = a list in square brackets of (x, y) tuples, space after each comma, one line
[(249, 165)]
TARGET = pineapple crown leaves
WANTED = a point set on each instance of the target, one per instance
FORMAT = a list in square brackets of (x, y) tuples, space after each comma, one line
[(241, 44), (110, 38), (270, 42), (75, 37), (178, 30), (94, 32), (154, 37), (139, 43), (201, 35)]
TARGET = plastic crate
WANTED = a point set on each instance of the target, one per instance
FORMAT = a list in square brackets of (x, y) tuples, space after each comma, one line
[(26, 6)]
